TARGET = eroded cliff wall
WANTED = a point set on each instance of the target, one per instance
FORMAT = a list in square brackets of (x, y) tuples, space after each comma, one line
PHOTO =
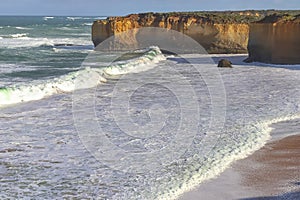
[(276, 39), (215, 35)]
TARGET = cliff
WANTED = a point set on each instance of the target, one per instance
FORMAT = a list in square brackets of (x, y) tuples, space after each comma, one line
[(275, 39), (217, 32)]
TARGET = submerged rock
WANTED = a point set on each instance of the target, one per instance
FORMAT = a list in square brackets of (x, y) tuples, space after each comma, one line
[(225, 63)]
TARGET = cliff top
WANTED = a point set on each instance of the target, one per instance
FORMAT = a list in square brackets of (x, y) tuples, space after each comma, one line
[(246, 16), (281, 18)]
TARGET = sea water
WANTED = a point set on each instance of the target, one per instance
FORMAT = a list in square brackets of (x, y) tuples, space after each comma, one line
[(44, 152)]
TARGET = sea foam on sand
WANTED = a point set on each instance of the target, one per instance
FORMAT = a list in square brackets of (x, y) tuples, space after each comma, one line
[(272, 171)]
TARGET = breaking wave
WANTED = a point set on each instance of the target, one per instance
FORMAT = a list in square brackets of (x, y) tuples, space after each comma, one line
[(89, 77), (17, 35), (21, 40), (148, 60), (46, 18), (221, 157), (23, 28)]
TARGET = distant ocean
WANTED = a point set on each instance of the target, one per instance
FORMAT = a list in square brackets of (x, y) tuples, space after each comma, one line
[(42, 152)]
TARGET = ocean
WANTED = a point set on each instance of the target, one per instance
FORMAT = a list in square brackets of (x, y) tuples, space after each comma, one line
[(81, 124)]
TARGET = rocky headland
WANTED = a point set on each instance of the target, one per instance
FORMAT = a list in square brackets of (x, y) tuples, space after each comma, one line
[(275, 39), (218, 32)]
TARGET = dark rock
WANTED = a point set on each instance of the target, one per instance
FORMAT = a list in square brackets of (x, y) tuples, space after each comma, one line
[(64, 45), (224, 63)]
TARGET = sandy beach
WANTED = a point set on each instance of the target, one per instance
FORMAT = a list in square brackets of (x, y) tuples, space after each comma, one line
[(273, 172)]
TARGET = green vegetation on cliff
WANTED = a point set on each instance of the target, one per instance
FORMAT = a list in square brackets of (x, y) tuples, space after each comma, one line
[(245, 16)]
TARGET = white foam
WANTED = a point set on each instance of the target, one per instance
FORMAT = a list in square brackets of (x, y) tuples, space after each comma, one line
[(23, 41), (258, 96), (80, 34), (9, 68), (76, 80), (147, 61), (262, 96), (23, 28), (66, 28), (103, 17), (39, 90), (73, 18), (18, 35), (87, 24), (46, 18), (72, 50), (258, 135)]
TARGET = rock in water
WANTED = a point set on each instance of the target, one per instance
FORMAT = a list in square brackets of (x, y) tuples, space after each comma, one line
[(225, 63)]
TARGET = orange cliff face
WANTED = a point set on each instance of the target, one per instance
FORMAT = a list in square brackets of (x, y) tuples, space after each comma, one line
[(275, 39), (214, 36)]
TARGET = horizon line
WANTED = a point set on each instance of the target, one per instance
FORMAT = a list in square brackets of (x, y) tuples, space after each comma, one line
[(72, 15)]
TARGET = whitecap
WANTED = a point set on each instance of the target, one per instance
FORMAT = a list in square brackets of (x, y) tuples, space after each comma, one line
[(148, 60), (99, 18), (65, 28), (73, 18), (46, 18), (23, 28), (9, 68), (41, 89), (11, 42), (87, 24), (87, 78), (18, 35)]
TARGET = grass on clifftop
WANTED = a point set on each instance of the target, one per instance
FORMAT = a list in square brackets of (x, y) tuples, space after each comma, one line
[(245, 16)]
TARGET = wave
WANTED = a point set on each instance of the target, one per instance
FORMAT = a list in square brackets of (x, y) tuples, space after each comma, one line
[(99, 18), (9, 68), (80, 34), (149, 58), (46, 18), (87, 24), (17, 35), (73, 18), (23, 28), (20, 41), (82, 49), (222, 157), (67, 83), (66, 28), (36, 91)]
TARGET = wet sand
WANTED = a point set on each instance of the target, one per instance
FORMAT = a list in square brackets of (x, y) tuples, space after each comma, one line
[(273, 172)]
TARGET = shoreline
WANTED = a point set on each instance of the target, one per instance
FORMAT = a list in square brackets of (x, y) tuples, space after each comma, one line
[(272, 172)]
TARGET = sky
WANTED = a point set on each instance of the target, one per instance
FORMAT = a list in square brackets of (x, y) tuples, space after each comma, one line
[(124, 7)]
